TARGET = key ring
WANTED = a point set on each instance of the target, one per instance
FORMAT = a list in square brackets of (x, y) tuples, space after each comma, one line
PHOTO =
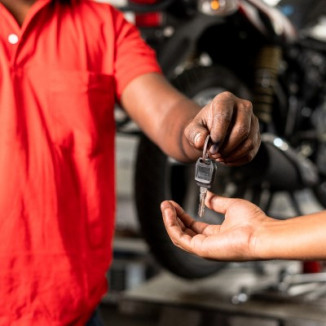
[(205, 152)]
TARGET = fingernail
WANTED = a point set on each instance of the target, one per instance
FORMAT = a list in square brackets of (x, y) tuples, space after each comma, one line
[(164, 205), (166, 210), (214, 148), (197, 138)]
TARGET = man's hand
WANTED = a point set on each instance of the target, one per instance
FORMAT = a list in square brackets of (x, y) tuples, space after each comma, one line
[(233, 240), (163, 113), (233, 128)]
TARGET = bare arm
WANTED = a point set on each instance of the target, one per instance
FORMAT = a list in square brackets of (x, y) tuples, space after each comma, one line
[(301, 238), (246, 233), (179, 126)]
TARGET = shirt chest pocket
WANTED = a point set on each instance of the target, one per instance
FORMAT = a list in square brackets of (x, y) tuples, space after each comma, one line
[(81, 109)]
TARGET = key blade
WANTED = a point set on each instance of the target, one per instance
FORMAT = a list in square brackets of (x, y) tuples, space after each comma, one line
[(202, 196), (201, 209)]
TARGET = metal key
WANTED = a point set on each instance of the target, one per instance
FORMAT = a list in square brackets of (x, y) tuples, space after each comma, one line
[(204, 176)]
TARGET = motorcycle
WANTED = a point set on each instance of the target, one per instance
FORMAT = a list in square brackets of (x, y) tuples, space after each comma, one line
[(254, 51)]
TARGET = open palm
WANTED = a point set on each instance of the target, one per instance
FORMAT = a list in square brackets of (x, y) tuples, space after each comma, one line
[(233, 240)]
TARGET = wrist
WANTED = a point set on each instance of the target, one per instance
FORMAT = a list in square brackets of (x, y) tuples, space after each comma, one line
[(265, 243)]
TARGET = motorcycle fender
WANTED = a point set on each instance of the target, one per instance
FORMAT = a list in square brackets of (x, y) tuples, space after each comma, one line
[(269, 20)]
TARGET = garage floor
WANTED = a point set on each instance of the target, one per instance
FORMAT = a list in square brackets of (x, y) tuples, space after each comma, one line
[(239, 295)]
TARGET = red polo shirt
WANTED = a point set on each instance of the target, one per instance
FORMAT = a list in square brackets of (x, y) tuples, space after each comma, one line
[(59, 76)]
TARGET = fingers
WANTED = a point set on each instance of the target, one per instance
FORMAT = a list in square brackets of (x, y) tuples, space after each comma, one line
[(242, 138), (213, 119), (196, 132), (193, 237), (232, 126), (220, 116), (178, 236), (244, 126), (241, 124), (230, 241), (179, 214), (246, 150), (218, 203), (180, 225), (234, 208)]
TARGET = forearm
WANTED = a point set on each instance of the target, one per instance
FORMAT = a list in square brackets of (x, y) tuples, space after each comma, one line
[(301, 238), (162, 113), (179, 126), (171, 138)]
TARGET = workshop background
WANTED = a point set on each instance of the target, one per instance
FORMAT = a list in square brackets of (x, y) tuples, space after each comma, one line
[(142, 293)]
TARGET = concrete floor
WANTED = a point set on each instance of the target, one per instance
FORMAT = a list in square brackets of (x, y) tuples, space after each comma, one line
[(166, 300)]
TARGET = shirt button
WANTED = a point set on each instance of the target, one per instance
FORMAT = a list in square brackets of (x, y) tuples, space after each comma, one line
[(13, 39)]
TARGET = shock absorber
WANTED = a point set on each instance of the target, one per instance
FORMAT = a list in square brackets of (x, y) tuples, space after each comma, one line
[(267, 67)]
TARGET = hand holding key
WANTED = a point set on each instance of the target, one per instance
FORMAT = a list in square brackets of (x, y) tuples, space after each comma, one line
[(204, 176), (232, 126)]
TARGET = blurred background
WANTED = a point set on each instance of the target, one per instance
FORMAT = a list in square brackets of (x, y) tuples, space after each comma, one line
[(147, 285)]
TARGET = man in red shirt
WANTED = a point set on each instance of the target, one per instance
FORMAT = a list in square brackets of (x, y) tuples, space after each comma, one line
[(63, 64)]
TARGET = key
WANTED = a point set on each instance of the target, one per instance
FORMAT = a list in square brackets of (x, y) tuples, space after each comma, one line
[(204, 176)]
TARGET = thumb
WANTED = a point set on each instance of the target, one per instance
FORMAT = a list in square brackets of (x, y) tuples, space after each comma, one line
[(196, 134), (219, 204)]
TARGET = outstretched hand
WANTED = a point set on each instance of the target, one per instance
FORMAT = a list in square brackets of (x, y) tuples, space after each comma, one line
[(233, 240)]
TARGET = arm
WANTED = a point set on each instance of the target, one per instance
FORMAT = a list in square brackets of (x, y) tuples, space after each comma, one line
[(246, 233), (179, 126)]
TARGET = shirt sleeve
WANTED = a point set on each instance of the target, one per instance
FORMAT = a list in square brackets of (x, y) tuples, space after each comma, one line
[(133, 57)]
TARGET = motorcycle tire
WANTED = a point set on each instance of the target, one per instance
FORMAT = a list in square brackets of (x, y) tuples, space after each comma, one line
[(158, 178)]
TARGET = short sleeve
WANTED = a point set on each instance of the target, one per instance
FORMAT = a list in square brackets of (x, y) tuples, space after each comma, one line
[(133, 57)]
